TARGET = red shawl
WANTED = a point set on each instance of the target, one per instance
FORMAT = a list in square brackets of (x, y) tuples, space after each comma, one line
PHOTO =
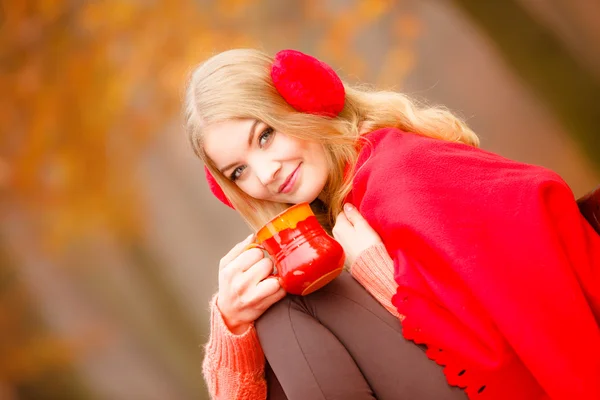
[(498, 272)]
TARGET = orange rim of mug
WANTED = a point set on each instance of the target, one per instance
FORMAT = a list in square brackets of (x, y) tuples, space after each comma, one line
[(293, 216)]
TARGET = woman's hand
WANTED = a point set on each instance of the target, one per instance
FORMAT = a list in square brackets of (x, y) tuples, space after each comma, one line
[(245, 289), (353, 232)]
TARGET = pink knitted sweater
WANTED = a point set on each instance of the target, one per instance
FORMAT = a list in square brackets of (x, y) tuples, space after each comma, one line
[(234, 364)]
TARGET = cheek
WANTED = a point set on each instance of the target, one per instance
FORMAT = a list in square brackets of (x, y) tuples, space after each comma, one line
[(320, 159), (290, 148), (323, 171), (252, 189), (319, 166)]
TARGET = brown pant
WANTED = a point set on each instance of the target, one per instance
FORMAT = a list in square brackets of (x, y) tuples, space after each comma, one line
[(339, 343), (589, 205)]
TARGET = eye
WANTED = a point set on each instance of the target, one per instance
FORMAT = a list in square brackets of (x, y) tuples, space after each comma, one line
[(265, 137), (236, 173)]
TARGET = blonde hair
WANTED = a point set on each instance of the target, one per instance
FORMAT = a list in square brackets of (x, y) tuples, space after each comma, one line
[(236, 84)]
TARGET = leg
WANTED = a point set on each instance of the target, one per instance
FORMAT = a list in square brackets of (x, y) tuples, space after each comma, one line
[(274, 389), (340, 343), (589, 205), (308, 360)]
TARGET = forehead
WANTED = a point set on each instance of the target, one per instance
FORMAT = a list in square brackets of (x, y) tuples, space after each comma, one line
[(225, 141)]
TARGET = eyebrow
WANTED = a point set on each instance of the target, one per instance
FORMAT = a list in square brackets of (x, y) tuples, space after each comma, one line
[(250, 136)]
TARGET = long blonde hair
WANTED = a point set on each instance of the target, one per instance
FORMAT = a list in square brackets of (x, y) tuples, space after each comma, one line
[(236, 84)]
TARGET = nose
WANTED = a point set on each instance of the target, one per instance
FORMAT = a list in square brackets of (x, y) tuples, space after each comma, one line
[(266, 171)]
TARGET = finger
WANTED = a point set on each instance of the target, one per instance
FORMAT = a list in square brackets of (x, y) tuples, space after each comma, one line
[(354, 216), (260, 270), (342, 221), (267, 287), (245, 261), (341, 225), (236, 251), (273, 298)]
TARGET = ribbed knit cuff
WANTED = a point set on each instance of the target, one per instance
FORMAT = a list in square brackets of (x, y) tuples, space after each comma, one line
[(374, 269), (240, 353)]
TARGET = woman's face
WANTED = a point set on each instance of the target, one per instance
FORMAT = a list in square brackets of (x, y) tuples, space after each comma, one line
[(267, 164)]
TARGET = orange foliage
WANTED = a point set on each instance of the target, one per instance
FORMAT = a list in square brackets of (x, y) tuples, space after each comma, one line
[(86, 85)]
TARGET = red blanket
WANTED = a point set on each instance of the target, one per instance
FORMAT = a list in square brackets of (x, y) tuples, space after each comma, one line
[(498, 272)]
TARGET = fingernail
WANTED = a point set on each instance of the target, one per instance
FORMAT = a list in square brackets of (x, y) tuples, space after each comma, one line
[(348, 207), (250, 237)]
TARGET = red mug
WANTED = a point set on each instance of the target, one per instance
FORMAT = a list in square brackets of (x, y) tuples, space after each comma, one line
[(305, 256)]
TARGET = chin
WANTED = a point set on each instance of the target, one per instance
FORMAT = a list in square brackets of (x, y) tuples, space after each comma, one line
[(299, 200), (309, 197), (306, 194)]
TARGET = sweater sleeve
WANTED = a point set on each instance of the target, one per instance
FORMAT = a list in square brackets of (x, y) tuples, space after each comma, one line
[(233, 365), (491, 257), (374, 270)]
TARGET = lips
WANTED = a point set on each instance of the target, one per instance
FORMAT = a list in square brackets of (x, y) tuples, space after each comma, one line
[(288, 184)]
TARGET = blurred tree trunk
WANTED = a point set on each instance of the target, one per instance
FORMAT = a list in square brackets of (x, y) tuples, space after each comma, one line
[(179, 344), (534, 52), (34, 362)]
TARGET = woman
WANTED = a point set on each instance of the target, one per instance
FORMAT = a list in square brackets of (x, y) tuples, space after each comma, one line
[(486, 261)]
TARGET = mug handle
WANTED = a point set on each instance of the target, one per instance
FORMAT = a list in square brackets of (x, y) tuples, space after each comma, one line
[(255, 245)]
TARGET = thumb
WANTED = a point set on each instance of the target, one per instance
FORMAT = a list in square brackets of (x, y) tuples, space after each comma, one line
[(353, 215)]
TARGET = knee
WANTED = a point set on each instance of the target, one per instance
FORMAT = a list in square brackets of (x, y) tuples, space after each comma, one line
[(279, 312), (280, 315), (291, 307), (273, 317)]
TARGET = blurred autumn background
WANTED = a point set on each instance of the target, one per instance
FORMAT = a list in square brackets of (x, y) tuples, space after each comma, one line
[(109, 238)]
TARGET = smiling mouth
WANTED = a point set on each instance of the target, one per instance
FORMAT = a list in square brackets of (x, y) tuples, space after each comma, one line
[(290, 181)]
